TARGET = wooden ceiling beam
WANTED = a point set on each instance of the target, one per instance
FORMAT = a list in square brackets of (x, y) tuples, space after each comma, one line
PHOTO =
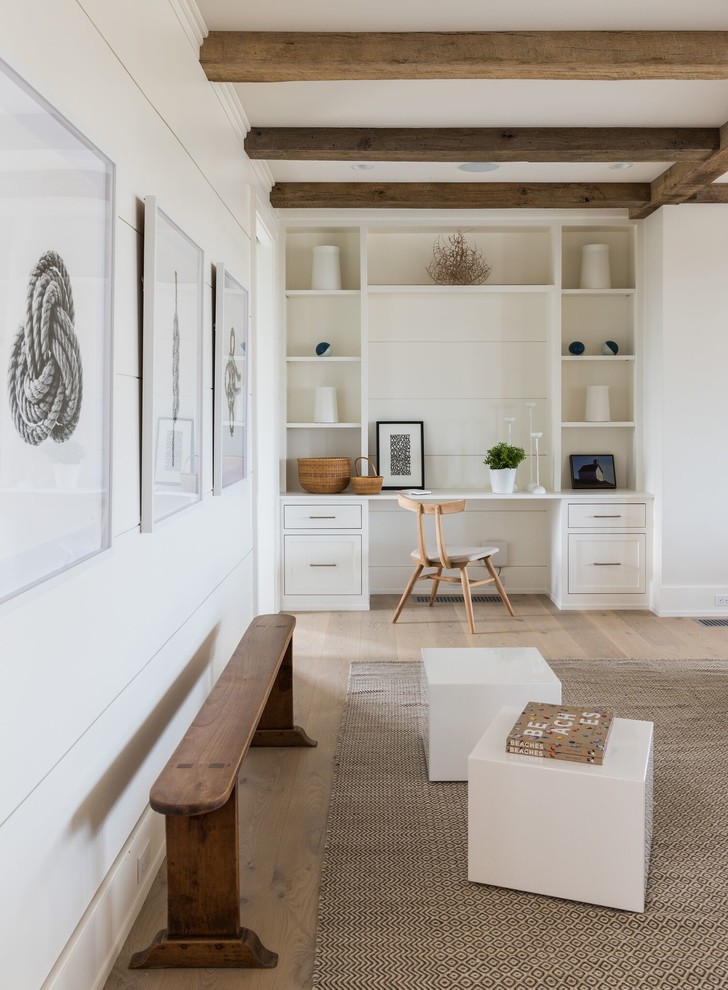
[(287, 56), (717, 193), (683, 181), (482, 144), (459, 195)]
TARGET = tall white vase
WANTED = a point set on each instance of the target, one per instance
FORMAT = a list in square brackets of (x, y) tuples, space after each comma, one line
[(597, 404), (595, 272), (326, 267), (325, 406)]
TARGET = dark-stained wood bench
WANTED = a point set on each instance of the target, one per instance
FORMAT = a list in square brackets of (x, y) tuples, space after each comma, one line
[(250, 705)]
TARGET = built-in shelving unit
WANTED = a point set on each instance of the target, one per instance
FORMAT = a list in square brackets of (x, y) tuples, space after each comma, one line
[(471, 362), (594, 316)]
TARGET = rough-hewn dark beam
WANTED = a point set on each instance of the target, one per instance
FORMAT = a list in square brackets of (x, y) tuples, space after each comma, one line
[(683, 180), (483, 144), (459, 195), (717, 193), (284, 56)]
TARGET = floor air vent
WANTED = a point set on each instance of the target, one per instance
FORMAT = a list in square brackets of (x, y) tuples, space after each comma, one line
[(478, 599), (712, 622)]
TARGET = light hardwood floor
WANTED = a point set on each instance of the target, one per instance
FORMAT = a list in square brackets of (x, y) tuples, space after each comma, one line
[(284, 794)]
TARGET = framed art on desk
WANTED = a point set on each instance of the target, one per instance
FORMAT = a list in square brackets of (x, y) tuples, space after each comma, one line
[(592, 471), (401, 454)]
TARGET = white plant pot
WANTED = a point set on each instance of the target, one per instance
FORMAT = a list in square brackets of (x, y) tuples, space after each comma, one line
[(502, 481)]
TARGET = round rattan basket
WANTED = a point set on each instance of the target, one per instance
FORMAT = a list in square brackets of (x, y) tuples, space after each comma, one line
[(324, 475), (366, 485)]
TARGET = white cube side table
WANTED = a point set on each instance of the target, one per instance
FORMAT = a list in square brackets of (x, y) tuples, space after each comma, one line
[(564, 829), (465, 687)]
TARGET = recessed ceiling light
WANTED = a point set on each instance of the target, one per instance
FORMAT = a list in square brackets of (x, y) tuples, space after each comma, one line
[(362, 166), (478, 167), (618, 166)]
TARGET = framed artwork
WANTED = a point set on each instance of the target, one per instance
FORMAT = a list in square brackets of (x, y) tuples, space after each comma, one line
[(592, 471), (56, 264), (401, 454), (230, 446), (172, 385)]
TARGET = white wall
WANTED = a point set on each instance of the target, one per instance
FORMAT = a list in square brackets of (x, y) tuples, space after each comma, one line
[(687, 404), (104, 668)]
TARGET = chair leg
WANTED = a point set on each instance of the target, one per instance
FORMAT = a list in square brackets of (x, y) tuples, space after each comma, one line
[(408, 590), (435, 585), (465, 581), (499, 585)]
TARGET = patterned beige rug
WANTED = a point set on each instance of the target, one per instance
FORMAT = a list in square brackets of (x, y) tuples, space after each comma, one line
[(397, 911)]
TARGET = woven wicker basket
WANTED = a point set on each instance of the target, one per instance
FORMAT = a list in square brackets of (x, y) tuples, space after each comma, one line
[(366, 485), (324, 475)]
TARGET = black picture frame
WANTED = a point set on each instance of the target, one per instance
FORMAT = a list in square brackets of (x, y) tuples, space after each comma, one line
[(401, 445), (592, 471)]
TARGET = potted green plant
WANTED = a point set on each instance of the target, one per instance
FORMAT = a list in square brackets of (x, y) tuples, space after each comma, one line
[(503, 459)]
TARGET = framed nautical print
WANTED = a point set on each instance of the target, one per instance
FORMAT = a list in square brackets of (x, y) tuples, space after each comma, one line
[(172, 383), (230, 448), (56, 266)]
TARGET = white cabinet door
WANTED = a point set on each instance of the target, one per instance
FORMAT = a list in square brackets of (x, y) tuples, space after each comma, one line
[(322, 565), (606, 563)]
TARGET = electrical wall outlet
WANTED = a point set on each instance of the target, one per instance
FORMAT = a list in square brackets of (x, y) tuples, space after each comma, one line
[(143, 861), (721, 600), (501, 558)]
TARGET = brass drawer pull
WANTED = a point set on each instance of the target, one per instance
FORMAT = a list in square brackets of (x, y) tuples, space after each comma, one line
[(322, 517), (322, 565), (607, 563), (618, 516)]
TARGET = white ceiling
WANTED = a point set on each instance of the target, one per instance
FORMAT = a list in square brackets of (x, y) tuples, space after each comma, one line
[(481, 103)]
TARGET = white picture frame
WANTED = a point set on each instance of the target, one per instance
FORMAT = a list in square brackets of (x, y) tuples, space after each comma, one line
[(232, 356), (56, 249), (172, 363)]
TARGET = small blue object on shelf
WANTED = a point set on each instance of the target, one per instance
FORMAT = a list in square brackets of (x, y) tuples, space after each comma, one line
[(576, 347), (610, 347), (323, 349)]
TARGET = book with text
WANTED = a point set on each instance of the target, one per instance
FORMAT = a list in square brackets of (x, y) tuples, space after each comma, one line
[(561, 732)]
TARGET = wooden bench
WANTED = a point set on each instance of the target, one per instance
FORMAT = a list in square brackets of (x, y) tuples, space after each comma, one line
[(250, 705)]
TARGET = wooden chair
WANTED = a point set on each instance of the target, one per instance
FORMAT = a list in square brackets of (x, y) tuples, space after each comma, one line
[(457, 558)]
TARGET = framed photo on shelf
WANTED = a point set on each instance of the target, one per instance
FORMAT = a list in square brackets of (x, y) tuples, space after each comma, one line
[(172, 385), (230, 447), (57, 233), (592, 471), (401, 454)]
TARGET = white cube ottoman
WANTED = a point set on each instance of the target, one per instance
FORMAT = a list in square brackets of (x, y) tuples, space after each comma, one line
[(572, 830), (465, 687)]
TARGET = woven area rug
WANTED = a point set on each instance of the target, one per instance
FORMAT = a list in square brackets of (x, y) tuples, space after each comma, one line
[(396, 909)]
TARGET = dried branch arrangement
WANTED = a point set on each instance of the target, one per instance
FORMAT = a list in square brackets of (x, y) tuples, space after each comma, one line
[(454, 262)]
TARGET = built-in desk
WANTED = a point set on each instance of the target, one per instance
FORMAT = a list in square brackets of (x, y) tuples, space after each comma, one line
[(585, 549)]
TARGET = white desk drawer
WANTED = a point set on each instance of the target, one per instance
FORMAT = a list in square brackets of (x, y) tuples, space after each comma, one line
[(610, 563), (322, 565), (608, 515), (322, 516)]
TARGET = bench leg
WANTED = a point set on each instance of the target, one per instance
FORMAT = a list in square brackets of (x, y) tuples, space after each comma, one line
[(203, 898), (275, 727)]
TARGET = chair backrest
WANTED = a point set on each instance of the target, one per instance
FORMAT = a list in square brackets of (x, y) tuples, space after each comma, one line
[(438, 510)]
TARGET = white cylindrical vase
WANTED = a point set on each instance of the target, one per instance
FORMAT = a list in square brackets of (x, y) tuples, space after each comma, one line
[(597, 404), (325, 406), (326, 267), (595, 267), (502, 480)]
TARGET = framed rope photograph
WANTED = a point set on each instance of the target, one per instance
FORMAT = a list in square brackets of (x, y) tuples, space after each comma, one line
[(401, 454), (172, 384), (230, 448), (56, 232)]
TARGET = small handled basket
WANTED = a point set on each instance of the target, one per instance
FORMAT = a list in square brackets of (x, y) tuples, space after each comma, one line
[(365, 484)]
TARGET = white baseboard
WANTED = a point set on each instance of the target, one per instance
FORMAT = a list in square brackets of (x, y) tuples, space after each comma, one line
[(689, 602), (91, 952)]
